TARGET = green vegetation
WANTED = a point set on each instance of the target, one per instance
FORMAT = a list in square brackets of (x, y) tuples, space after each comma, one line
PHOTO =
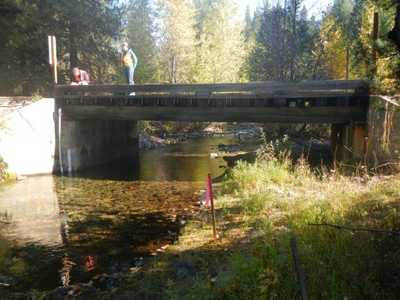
[(199, 41), (260, 208), (3, 168), (85, 32), (346, 226)]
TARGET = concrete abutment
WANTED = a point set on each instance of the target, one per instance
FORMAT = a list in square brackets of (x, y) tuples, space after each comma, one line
[(84, 144)]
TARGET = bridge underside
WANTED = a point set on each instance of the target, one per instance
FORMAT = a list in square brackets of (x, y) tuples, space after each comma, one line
[(286, 111)]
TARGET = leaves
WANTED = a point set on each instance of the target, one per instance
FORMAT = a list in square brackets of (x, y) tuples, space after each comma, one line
[(84, 30)]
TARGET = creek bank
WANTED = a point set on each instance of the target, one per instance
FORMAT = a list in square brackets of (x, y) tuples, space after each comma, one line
[(243, 133)]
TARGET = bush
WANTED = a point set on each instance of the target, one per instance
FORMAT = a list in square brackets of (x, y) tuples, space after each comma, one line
[(3, 168)]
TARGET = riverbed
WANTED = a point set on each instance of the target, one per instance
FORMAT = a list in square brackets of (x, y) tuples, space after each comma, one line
[(64, 230)]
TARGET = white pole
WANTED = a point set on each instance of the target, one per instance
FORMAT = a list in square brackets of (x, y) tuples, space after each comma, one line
[(54, 55), (49, 40), (60, 152)]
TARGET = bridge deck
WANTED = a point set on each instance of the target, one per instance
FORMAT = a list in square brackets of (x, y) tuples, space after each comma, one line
[(301, 102)]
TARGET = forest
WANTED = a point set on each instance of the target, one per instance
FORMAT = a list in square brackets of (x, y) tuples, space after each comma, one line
[(199, 41), (291, 217)]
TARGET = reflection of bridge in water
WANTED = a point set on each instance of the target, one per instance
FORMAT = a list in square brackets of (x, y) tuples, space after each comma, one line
[(96, 124)]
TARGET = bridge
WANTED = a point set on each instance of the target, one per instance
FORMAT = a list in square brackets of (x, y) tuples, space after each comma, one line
[(96, 123), (274, 102)]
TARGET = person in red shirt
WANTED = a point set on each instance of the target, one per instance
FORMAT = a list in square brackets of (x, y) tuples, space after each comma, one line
[(79, 77)]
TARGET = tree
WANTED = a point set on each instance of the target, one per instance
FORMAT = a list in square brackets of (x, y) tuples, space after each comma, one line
[(394, 33), (221, 50), (284, 44), (267, 58), (178, 40), (85, 32), (334, 49), (141, 32)]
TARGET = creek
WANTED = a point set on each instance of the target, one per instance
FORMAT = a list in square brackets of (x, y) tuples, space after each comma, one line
[(62, 230)]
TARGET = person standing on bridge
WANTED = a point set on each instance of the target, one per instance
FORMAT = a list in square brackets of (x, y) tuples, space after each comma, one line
[(129, 62), (79, 77)]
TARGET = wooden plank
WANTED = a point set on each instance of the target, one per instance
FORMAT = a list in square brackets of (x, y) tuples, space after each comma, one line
[(223, 101), (226, 114)]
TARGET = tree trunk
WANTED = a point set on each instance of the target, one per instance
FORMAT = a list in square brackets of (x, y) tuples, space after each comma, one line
[(73, 45), (394, 35), (375, 36), (347, 62), (294, 39)]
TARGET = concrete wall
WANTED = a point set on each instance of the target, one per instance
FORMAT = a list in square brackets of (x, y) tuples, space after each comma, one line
[(87, 143), (27, 140), (30, 143), (383, 131)]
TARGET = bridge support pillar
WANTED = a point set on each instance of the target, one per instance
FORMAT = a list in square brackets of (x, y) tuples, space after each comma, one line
[(83, 144), (348, 141)]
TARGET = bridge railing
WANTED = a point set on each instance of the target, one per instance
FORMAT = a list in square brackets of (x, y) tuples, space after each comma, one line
[(275, 89)]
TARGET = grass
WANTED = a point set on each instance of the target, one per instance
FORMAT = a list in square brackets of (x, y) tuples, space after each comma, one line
[(259, 208)]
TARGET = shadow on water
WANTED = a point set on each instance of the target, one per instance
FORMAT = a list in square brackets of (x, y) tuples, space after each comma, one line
[(50, 238), (186, 161), (111, 216), (124, 245)]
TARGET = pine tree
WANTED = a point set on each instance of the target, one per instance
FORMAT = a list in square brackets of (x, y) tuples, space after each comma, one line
[(221, 50), (141, 37), (269, 57), (284, 44), (178, 38), (85, 32)]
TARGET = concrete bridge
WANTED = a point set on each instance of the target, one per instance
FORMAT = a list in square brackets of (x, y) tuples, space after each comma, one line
[(96, 124)]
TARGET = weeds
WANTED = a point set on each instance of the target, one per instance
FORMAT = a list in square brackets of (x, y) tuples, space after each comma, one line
[(262, 205), (3, 170)]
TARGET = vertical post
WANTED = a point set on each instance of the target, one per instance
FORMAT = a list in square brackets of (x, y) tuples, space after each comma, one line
[(50, 43), (358, 141), (366, 142), (69, 159), (55, 62), (375, 34), (209, 186), (60, 152), (347, 62), (51, 39)]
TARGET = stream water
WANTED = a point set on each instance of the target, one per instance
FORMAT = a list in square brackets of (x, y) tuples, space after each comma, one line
[(64, 230)]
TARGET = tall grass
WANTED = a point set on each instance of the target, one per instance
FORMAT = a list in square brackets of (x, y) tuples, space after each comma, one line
[(260, 207), (277, 200)]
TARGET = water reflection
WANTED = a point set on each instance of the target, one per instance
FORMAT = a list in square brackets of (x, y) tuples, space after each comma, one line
[(32, 209), (187, 161), (109, 216)]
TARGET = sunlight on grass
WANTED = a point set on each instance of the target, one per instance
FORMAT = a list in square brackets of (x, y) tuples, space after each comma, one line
[(261, 206)]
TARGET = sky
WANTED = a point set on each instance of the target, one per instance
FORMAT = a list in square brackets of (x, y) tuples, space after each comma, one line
[(314, 7)]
